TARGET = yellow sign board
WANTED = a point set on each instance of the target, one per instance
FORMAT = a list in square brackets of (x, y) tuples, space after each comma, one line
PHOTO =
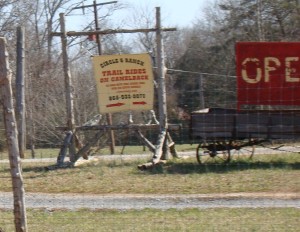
[(124, 82)]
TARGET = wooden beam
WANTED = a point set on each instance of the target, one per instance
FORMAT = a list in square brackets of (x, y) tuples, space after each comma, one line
[(145, 141), (84, 150), (158, 152), (172, 127), (110, 31), (171, 145), (64, 148), (98, 4)]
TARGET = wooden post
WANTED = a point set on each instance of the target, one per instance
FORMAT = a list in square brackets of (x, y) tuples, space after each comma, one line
[(98, 39), (63, 149), (108, 116), (68, 86), (164, 142), (162, 102), (161, 74), (201, 92), (12, 140), (20, 91)]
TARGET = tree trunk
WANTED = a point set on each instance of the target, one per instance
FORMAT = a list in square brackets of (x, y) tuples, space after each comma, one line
[(12, 140)]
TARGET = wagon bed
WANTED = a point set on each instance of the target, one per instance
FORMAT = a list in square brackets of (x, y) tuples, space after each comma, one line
[(224, 130)]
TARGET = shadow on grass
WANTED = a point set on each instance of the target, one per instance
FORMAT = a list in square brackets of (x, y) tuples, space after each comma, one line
[(192, 167), (45, 168), (176, 166), (69, 166)]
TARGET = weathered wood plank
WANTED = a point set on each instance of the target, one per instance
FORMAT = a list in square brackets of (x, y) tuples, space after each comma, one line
[(63, 149), (236, 125)]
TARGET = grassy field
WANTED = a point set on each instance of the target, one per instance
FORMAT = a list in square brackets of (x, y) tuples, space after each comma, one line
[(265, 173), (233, 220)]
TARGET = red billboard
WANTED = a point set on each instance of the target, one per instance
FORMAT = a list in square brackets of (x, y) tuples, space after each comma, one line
[(268, 74)]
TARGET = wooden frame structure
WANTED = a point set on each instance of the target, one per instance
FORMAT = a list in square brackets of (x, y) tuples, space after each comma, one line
[(164, 141)]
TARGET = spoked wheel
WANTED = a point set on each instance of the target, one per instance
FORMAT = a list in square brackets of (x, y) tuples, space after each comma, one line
[(239, 151), (215, 152)]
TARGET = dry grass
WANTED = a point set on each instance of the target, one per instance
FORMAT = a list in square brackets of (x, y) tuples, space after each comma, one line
[(221, 220), (53, 152), (269, 173)]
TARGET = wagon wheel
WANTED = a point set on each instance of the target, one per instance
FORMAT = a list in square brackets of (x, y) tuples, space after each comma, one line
[(216, 152), (240, 150)]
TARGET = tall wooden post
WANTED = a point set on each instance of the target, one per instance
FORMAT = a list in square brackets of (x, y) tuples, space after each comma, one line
[(161, 148), (68, 86), (161, 74), (20, 91), (12, 140), (98, 40)]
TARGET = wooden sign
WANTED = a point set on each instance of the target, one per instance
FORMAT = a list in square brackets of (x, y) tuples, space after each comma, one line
[(124, 82), (268, 73)]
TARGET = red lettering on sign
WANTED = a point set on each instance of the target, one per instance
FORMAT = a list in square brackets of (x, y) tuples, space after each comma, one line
[(268, 73), (139, 103), (115, 104)]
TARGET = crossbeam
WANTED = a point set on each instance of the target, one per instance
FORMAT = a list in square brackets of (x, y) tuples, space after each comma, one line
[(98, 4), (172, 127), (110, 31)]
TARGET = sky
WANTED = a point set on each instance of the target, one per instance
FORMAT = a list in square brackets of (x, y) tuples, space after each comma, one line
[(174, 13)]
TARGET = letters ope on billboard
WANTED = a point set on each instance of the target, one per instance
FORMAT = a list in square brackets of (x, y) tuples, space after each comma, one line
[(268, 73), (124, 82)]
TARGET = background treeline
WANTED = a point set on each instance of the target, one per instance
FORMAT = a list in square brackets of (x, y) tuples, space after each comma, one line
[(205, 46)]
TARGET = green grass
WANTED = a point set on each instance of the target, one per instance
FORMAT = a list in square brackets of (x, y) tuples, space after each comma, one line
[(265, 173), (233, 220)]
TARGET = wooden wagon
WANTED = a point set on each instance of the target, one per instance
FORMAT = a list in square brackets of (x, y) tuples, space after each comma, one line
[(223, 133)]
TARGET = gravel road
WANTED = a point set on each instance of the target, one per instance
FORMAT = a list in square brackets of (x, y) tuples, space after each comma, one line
[(163, 202)]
